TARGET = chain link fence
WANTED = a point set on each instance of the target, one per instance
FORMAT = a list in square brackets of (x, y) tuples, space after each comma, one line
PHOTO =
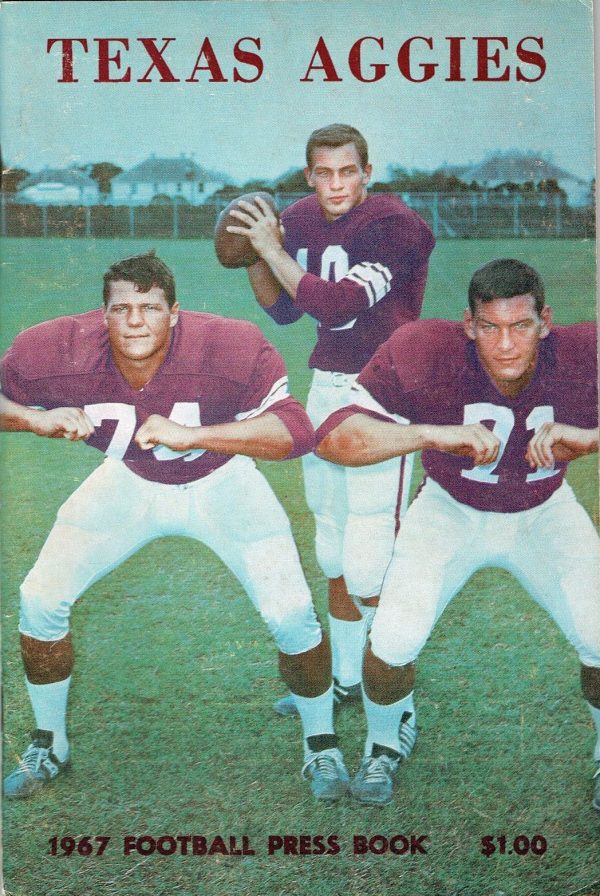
[(450, 215)]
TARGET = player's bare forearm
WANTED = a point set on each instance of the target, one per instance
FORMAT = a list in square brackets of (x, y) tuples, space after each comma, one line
[(265, 437), (361, 440), (58, 423), (265, 286), (15, 417), (560, 442), (287, 271)]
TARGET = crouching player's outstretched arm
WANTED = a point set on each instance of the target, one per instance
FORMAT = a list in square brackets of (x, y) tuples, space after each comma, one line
[(560, 442), (58, 423), (353, 438), (278, 434)]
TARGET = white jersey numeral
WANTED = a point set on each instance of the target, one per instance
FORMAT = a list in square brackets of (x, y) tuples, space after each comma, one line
[(124, 414), (375, 277), (540, 415), (186, 413), (504, 421)]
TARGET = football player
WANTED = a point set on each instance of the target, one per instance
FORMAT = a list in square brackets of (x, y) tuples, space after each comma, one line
[(180, 402), (499, 405), (357, 264)]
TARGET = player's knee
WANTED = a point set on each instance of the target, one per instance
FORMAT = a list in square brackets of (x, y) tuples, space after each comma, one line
[(368, 546), (296, 630), (329, 544), (42, 615), (397, 644)]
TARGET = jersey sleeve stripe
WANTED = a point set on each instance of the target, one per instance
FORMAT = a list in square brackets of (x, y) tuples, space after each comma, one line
[(277, 392), (361, 397), (376, 278)]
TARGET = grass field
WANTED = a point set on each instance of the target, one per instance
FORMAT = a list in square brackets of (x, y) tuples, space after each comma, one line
[(171, 724)]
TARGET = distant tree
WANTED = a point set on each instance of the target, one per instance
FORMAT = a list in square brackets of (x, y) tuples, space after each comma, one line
[(227, 192), (11, 178), (292, 182), (551, 187), (103, 173), (164, 199), (258, 186), (507, 187), (403, 181)]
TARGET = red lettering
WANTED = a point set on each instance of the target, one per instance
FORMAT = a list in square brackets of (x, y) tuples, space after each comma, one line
[(322, 53), (455, 59), (212, 64), (217, 847), (248, 59), (104, 60), (67, 56), (404, 60), (416, 844), (274, 843), (360, 845), (355, 62), (156, 55), (531, 58), (198, 845), (484, 58)]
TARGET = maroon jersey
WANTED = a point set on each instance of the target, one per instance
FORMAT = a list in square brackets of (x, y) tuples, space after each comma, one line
[(366, 274), (429, 372), (217, 370)]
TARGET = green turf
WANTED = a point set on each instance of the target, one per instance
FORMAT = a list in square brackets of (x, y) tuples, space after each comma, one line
[(170, 720)]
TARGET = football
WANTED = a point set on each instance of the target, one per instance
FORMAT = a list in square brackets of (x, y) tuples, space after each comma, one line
[(234, 250)]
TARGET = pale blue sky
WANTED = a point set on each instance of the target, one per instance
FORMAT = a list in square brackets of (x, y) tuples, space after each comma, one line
[(260, 129)]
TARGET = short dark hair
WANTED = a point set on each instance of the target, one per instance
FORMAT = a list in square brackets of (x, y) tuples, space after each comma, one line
[(145, 271), (334, 135), (504, 278)]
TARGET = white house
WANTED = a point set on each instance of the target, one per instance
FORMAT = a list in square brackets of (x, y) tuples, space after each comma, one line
[(59, 187), (156, 179), (522, 167)]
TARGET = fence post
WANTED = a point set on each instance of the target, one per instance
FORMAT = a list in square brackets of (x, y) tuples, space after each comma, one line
[(557, 216), (474, 209), (175, 220), (44, 220), (2, 214), (131, 221), (516, 222), (435, 216), (88, 221)]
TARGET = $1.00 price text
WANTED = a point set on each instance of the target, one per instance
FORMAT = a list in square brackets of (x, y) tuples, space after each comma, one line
[(520, 845)]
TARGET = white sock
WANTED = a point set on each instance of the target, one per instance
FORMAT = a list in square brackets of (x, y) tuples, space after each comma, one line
[(347, 647), (49, 702), (368, 614), (383, 722), (316, 713), (596, 717)]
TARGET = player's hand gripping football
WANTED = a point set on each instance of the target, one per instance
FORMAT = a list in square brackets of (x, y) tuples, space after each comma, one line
[(471, 440), (260, 225), (157, 430), (560, 442)]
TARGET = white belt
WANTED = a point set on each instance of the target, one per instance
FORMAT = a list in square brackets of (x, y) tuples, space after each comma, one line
[(333, 378)]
